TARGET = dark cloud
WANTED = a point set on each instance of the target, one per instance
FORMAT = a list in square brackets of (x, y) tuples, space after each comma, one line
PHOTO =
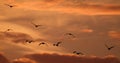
[(3, 59), (56, 58), (15, 37), (8, 44)]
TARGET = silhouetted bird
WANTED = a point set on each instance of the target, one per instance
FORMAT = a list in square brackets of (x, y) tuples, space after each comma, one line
[(78, 53), (42, 43), (29, 41), (36, 25), (109, 48), (11, 6), (57, 44), (8, 30), (70, 34)]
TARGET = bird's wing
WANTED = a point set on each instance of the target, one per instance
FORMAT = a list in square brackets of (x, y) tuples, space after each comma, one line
[(33, 23), (74, 36), (106, 45), (9, 5), (112, 47), (81, 53), (39, 25), (9, 29), (71, 34), (66, 33), (40, 44), (26, 40), (54, 44), (59, 42), (74, 51), (32, 40)]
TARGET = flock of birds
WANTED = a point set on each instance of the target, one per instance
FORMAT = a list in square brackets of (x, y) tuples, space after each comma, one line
[(57, 44)]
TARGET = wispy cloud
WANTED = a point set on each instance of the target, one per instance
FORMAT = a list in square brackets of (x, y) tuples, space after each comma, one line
[(114, 34), (70, 7)]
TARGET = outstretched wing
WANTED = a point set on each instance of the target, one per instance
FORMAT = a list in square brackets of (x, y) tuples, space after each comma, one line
[(74, 51), (33, 23), (59, 42), (106, 46), (111, 47), (10, 5), (70, 34), (81, 53), (40, 44), (43, 43)]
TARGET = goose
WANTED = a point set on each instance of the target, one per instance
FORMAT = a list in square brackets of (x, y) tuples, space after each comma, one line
[(29, 41), (57, 44), (36, 25), (11, 6), (78, 53), (70, 34), (109, 48), (42, 43)]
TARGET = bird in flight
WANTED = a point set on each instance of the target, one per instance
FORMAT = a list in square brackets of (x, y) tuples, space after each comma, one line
[(78, 53), (29, 41), (109, 48), (42, 43), (36, 25), (70, 34), (8, 30), (11, 6), (57, 44)]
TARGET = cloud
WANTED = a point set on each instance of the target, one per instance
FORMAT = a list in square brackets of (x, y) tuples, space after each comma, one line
[(23, 60), (74, 24), (13, 44), (78, 7), (57, 58), (3, 59), (15, 37), (114, 34), (86, 30), (12, 50)]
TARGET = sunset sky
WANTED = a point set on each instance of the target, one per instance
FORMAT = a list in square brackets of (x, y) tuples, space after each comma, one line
[(94, 23)]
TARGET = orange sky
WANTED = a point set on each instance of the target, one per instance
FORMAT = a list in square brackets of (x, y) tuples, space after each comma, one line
[(94, 23)]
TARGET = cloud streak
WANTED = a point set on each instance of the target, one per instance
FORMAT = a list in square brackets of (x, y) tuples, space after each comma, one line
[(114, 34), (56, 58), (71, 7), (23, 60)]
